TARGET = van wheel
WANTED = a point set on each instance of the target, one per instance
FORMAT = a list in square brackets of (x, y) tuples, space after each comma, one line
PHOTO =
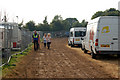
[(68, 44), (82, 48), (118, 55), (93, 55), (85, 51), (72, 45)]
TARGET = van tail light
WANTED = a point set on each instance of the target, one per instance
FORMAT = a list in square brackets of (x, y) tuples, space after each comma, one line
[(99, 52), (73, 40), (96, 42), (14, 44)]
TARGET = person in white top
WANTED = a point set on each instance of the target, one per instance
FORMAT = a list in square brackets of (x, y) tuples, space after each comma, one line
[(44, 40), (48, 40)]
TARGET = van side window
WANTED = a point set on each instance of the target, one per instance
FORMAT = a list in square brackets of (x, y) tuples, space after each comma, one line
[(71, 34)]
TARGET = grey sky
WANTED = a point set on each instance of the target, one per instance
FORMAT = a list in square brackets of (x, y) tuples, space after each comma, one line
[(37, 9)]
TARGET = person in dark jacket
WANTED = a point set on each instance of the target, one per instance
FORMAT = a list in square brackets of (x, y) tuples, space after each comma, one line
[(36, 40)]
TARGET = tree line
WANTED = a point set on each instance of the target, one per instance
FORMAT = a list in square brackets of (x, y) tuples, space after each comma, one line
[(108, 12), (59, 24)]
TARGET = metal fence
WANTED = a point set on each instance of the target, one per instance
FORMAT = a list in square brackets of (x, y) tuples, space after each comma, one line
[(56, 34), (26, 38), (13, 37)]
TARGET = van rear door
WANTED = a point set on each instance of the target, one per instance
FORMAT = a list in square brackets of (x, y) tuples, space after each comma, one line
[(108, 34), (78, 35)]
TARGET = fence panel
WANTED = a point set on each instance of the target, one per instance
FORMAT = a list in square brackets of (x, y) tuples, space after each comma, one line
[(13, 37)]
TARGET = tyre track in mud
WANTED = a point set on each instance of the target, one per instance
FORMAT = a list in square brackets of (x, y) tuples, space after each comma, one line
[(58, 62)]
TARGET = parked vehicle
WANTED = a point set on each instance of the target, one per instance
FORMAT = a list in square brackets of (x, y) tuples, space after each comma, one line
[(76, 36), (102, 36), (16, 38), (2, 30), (11, 36), (5, 33)]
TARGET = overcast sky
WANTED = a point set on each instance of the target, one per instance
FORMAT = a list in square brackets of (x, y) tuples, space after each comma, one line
[(36, 10)]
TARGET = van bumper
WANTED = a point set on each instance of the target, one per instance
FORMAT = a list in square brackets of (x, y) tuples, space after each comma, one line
[(108, 52), (77, 44)]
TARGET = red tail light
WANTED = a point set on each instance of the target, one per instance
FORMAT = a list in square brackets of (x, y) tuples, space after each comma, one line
[(14, 44), (99, 52), (73, 40), (96, 42)]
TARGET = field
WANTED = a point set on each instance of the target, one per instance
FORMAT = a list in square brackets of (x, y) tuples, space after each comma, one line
[(62, 61)]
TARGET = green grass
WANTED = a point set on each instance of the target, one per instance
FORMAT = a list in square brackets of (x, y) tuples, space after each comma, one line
[(15, 59), (13, 52)]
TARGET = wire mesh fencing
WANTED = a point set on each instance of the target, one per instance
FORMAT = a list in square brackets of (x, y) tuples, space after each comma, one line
[(58, 34), (26, 38), (13, 37)]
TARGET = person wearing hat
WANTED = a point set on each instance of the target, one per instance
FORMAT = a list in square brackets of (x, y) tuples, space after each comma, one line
[(48, 40)]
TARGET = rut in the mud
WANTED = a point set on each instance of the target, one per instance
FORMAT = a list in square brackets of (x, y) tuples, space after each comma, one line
[(58, 62)]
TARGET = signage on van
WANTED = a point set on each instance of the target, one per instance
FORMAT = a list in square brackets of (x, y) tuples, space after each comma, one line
[(105, 29), (102, 36)]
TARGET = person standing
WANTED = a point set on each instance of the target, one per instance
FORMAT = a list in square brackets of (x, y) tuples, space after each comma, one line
[(48, 40), (44, 40), (36, 40)]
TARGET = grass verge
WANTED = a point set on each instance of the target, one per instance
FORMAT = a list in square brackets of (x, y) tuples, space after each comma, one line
[(14, 60)]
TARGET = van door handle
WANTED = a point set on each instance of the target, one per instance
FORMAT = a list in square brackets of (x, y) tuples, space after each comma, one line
[(112, 43), (115, 38)]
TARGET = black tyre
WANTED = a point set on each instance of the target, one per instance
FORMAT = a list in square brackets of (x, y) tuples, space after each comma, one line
[(82, 48), (85, 51), (79, 46), (93, 55), (72, 45), (118, 55), (68, 44)]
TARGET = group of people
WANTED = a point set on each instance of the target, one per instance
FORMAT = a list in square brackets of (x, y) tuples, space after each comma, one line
[(36, 40), (47, 40)]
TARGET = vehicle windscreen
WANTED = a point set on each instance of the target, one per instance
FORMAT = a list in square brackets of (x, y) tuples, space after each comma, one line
[(80, 33)]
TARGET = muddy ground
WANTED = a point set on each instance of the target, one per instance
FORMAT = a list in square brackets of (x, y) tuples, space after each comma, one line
[(62, 61)]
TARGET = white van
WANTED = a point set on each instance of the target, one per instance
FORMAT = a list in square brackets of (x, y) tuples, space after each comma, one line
[(103, 36), (76, 36)]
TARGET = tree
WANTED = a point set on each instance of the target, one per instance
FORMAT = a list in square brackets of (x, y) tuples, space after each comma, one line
[(45, 21), (82, 24), (45, 26), (20, 24), (97, 14), (66, 25), (77, 24), (108, 12), (57, 17), (71, 21), (56, 23), (30, 25)]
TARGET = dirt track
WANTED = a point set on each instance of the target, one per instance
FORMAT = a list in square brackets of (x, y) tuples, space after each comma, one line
[(63, 62)]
